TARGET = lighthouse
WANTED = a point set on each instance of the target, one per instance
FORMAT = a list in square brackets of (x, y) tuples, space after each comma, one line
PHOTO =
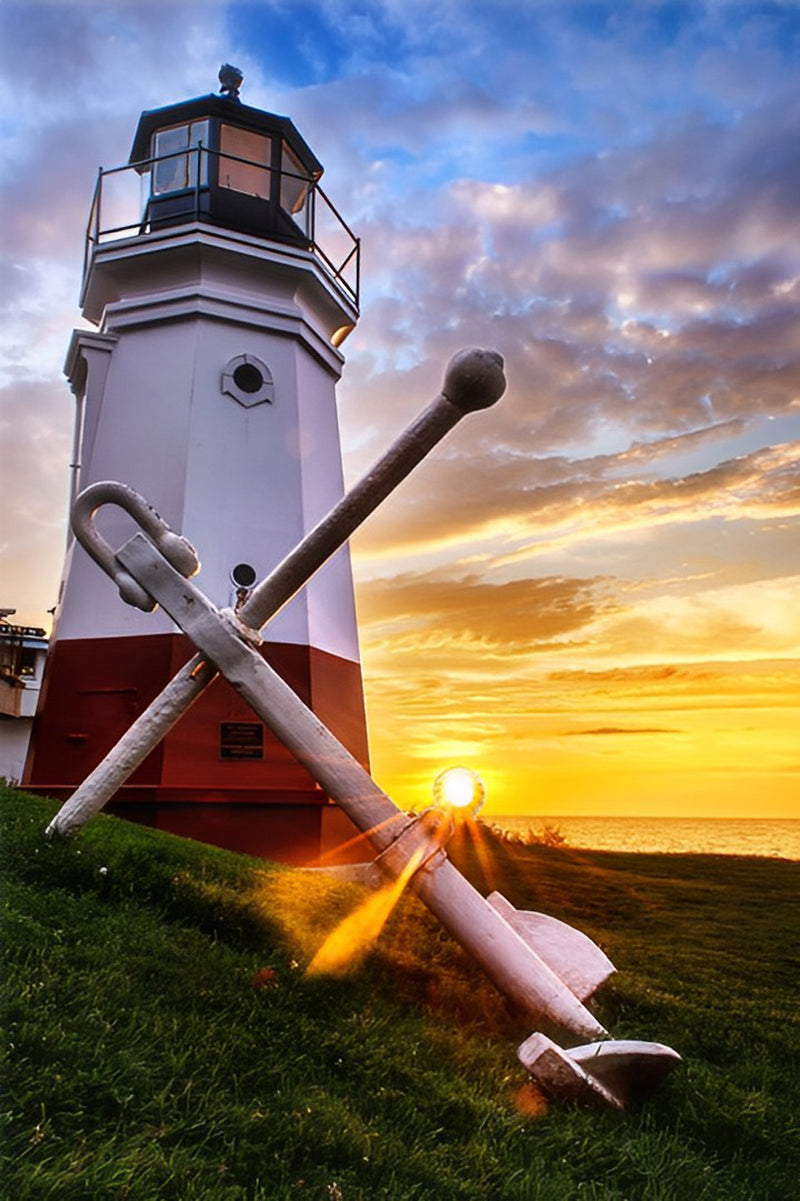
[(222, 283)]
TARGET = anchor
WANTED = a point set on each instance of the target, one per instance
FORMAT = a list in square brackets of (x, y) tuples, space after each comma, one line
[(545, 967)]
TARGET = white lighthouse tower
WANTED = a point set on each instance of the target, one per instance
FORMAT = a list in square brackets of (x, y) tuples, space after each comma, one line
[(209, 387)]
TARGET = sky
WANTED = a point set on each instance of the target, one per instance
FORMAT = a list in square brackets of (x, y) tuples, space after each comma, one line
[(589, 593)]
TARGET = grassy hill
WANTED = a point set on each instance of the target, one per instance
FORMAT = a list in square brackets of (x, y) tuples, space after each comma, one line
[(161, 1039)]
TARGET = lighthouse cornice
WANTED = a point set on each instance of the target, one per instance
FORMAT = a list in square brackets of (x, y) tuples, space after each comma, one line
[(84, 340), (144, 265), (241, 310)]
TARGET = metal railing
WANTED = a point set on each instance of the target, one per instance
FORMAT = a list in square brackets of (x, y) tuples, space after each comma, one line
[(119, 210)]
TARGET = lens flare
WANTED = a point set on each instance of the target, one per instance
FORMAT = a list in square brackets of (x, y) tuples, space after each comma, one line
[(459, 788), (349, 942)]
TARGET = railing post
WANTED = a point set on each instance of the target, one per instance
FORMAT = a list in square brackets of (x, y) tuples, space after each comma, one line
[(99, 206), (312, 215), (198, 169), (202, 157), (93, 224)]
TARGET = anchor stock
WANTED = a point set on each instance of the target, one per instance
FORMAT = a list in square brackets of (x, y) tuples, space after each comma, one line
[(474, 380)]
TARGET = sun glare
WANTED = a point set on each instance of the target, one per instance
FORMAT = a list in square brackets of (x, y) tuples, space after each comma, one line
[(459, 788)]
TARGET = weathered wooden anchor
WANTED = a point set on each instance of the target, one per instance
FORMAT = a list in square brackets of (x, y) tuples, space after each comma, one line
[(542, 965)]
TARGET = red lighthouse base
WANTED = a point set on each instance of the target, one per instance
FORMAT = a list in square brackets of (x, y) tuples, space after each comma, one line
[(219, 776)]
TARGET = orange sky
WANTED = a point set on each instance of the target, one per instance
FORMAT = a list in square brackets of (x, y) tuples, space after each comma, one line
[(611, 648), (590, 592)]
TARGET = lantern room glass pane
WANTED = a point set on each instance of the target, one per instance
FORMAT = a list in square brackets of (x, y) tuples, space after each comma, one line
[(295, 181), (175, 170), (252, 174), (169, 173), (198, 135)]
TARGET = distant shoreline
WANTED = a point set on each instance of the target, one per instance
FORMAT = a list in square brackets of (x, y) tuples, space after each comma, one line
[(765, 837)]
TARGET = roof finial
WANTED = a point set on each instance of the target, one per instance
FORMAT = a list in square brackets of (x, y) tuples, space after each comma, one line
[(230, 79)]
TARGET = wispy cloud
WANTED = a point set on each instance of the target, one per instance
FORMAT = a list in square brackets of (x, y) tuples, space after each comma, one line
[(615, 731)]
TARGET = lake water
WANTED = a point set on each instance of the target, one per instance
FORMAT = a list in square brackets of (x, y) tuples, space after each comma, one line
[(704, 835)]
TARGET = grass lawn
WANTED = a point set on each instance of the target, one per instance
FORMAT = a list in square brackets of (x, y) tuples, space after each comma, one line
[(161, 1039)]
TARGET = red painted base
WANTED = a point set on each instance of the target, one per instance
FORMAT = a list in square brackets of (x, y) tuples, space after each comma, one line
[(206, 779), (310, 835)]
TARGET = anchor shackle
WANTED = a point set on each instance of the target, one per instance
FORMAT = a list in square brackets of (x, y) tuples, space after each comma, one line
[(176, 549)]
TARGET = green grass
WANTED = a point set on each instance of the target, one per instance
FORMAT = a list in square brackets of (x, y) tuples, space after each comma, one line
[(141, 1063)]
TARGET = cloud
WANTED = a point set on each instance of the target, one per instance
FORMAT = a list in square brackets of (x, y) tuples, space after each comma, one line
[(443, 624), (710, 684), (638, 294), (520, 506), (613, 731), (606, 194), (76, 76), (416, 613), (742, 622)]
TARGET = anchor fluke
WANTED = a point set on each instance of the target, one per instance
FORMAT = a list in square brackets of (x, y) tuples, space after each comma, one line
[(613, 1073), (571, 954)]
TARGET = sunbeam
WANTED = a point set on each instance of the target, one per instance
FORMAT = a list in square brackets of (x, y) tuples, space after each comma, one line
[(353, 937)]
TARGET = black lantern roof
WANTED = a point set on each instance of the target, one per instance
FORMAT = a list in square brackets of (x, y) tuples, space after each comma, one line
[(232, 112)]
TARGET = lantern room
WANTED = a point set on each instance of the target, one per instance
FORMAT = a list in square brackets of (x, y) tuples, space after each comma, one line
[(212, 170), (220, 161)]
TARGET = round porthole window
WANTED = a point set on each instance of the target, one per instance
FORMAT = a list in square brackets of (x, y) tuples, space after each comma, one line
[(248, 381), (248, 377), (243, 575)]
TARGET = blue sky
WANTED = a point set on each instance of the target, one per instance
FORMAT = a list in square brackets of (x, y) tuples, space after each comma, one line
[(609, 194)]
